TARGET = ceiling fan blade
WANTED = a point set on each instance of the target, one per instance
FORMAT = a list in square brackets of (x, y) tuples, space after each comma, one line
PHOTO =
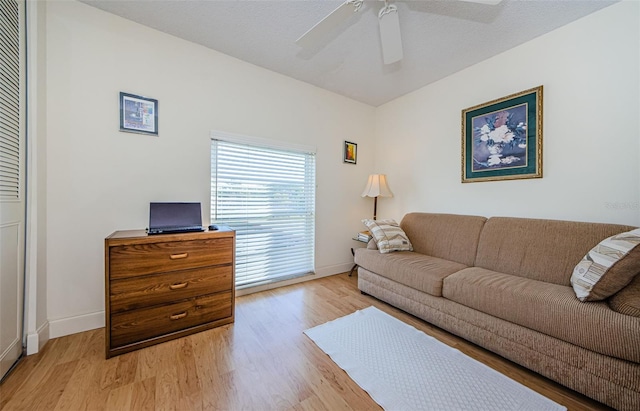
[(327, 24), (390, 34), (488, 2)]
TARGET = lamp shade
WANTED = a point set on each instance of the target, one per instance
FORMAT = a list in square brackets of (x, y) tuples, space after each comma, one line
[(377, 186)]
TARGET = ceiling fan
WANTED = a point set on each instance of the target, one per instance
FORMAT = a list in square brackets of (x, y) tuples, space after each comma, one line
[(388, 21)]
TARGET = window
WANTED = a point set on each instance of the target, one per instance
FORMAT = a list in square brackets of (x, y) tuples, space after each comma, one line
[(266, 193)]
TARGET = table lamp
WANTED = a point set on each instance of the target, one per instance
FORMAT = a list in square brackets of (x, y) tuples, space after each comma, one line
[(377, 187)]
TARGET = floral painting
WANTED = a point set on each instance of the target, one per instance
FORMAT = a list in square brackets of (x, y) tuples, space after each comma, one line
[(502, 139)]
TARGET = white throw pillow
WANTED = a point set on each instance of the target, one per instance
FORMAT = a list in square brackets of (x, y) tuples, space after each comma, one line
[(388, 235)]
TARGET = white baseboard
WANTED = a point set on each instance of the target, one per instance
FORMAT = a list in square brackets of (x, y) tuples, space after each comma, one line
[(37, 340), (333, 269), (321, 272), (76, 324), (43, 335)]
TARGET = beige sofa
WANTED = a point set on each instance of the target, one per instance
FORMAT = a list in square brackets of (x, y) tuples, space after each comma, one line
[(504, 284)]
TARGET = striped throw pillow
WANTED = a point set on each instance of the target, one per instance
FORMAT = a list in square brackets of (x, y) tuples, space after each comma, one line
[(608, 267), (388, 235)]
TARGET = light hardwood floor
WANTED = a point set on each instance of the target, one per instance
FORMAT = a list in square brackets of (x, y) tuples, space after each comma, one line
[(261, 362)]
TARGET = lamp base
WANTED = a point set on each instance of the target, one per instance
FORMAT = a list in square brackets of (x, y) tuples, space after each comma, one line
[(375, 208)]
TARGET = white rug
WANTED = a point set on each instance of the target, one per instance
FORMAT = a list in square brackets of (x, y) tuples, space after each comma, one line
[(402, 368)]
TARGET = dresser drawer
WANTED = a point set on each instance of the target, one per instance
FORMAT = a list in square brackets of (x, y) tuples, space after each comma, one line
[(140, 259), (138, 292), (138, 325)]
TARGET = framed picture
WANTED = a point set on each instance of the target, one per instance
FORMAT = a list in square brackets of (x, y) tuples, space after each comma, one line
[(138, 114), (502, 139), (350, 152)]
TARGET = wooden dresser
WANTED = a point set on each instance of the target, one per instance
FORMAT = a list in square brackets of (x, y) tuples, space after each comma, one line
[(161, 287)]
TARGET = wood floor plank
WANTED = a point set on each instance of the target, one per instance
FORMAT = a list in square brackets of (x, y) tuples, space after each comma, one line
[(263, 361), (52, 388), (81, 381), (143, 396), (11, 385), (29, 382), (119, 399)]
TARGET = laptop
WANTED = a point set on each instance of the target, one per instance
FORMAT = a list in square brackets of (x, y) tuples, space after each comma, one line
[(166, 218)]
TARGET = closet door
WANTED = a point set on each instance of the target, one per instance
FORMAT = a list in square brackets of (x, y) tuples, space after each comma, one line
[(12, 182)]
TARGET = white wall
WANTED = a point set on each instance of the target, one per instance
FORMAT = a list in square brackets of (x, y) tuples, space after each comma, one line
[(101, 180), (590, 71)]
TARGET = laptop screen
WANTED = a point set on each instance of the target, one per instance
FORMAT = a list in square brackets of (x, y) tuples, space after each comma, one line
[(163, 215)]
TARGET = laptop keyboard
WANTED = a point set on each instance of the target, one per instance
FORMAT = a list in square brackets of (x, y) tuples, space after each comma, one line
[(175, 229)]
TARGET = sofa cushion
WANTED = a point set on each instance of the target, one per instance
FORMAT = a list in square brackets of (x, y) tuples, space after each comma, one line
[(422, 272), (608, 267), (544, 250), (388, 235), (449, 236), (627, 300), (547, 308)]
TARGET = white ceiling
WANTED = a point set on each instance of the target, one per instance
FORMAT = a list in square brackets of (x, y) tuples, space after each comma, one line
[(439, 37)]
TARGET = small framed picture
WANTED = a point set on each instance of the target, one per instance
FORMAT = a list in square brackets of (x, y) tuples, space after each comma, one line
[(138, 114), (350, 152)]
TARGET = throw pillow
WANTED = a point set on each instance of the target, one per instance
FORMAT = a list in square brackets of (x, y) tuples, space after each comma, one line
[(388, 236), (608, 267), (627, 300)]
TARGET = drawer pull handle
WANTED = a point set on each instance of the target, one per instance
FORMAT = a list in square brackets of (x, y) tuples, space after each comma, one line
[(178, 316), (179, 256), (177, 286)]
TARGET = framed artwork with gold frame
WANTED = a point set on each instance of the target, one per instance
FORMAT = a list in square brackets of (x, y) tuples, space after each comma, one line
[(502, 139)]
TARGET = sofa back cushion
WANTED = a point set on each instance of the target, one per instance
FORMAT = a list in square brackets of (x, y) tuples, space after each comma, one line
[(544, 250), (448, 236)]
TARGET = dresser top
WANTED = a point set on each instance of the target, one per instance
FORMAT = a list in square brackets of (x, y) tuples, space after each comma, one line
[(140, 236)]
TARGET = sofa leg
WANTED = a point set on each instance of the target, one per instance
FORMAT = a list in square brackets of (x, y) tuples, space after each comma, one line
[(363, 293)]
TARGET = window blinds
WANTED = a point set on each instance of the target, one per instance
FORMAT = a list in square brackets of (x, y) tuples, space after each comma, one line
[(268, 196), (9, 100)]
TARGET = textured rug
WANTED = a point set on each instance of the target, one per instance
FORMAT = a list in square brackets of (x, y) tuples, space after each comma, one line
[(402, 368)]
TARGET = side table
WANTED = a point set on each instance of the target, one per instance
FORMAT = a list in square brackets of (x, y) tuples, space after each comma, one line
[(353, 253)]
